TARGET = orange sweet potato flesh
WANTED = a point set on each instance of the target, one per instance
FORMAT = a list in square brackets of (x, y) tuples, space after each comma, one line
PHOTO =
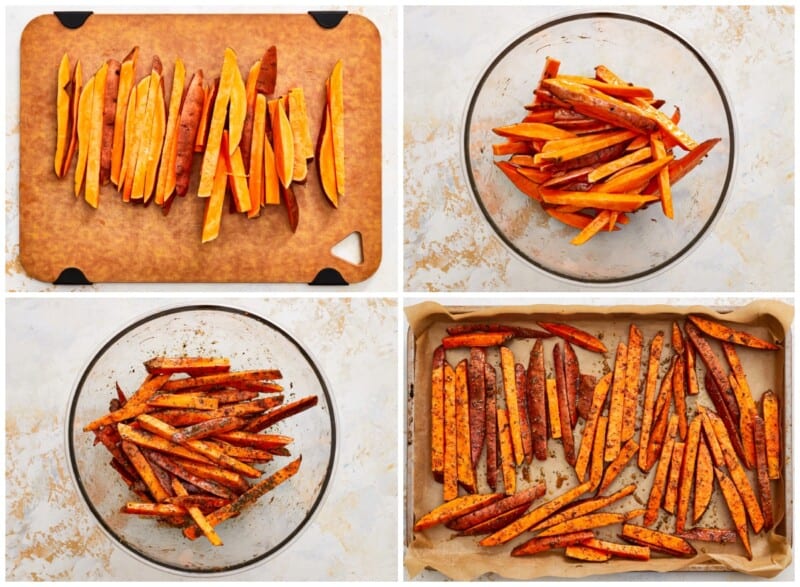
[(704, 485), (584, 508), (188, 126), (326, 161), (770, 412), (527, 186), (299, 124), (94, 151), (237, 178), (212, 213), (283, 142), (450, 484), (217, 124), (455, 508), (540, 544), (656, 540), (247, 128), (736, 508), (336, 106), (762, 472), (272, 184), (127, 75), (658, 489), (537, 406), (437, 414), (495, 508), (109, 118), (651, 380), (166, 177), (598, 401), (507, 464), (75, 87), (62, 116), (617, 404), (475, 339)]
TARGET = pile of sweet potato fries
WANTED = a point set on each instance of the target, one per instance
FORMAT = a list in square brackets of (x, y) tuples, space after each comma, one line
[(188, 446), (694, 430), (593, 149)]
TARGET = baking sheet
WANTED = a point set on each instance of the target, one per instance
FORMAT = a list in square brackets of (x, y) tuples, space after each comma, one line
[(121, 242), (463, 559)]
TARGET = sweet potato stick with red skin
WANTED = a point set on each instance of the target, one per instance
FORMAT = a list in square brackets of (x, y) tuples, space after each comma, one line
[(659, 432), (191, 366), (632, 368), (226, 477), (616, 407), (583, 402), (585, 507), (453, 509), (272, 417), (491, 426), (704, 480), (651, 380), (197, 515), (575, 336), (507, 464), (145, 471), (437, 414), (747, 413), (450, 482), (598, 453), (679, 394), (723, 393), (254, 440), (731, 425), (736, 508), (136, 405), (524, 421), (762, 471), (539, 544), (721, 332), (227, 378), (688, 467), (661, 541), (537, 406), (475, 339), (208, 428), (718, 535), (516, 331), (147, 439), (587, 522), (254, 493), (567, 439), (496, 523), (466, 474), (659, 486), (770, 412), (535, 516), (495, 508), (587, 441), (572, 374), (625, 454), (477, 403), (187, 417), (692, 385), (189, 127), (178, 470)]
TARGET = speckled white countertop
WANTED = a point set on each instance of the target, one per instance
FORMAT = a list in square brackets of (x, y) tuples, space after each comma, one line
[(385, 279), (449, 245), (50, 534)]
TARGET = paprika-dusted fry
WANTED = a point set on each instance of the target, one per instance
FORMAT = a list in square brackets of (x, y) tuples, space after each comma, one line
[(516, 331), (541, 544), (537, 406), (466, 474), (437, 414), (587, 441), (736, 507), (524, 421), (584, 508), (475, 339), (587, 522), (586, 553), (450, 483), (567, 439), (496, 523), (495, 508), (572, 376), (575, 336), (632, 368), (507, 367), (491, 426), (598, 454), (659, 487), (629, 551), (616, 466), (719, 535), (192, 366), (704, 480), (274, 416), (762, 472), (617, 404), (507, 463), (728, 334), (583, 402), (770, 412), (454, 508), (552, 408), (679, 395), (688, 467), (651, 380), (197, 515), (656, 540), (477, 403)]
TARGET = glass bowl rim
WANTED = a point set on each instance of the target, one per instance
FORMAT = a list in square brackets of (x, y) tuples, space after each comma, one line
[(121, 544), (727, 185)]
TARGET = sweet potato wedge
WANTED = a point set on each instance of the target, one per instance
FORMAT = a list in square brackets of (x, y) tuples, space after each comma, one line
[(679, 396), (197, 515), (629, 551), (507, 463), (516, 331), (450, 473), (189, 119), (466, 473), (651, 380), (475, 339), (736, 507), (437, 414), (632, 369), (453, 509), (508, 370), (136, 405), (626, 453), (586, 553), (719, 535), (541, 544), (731, 335), (537, 406), (144, 470), (496, 523), (770, 412), (704, 480), (191, 366), (584, 508), (655, 540), (572, 376), (183, 400), (747, 413), (583, 402), (567, 439), (617, 404), (524, 421), (688, 468), (659, 487), (673, 479), (598, 453), (553, 417), (587, 441), (762, 473), (167, 176), (490, 510), (491, 426), (575, 336)]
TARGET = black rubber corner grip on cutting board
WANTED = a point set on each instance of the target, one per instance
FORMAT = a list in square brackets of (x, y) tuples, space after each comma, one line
[(328, 19), (329, 276), (72, 20), (72, 276)]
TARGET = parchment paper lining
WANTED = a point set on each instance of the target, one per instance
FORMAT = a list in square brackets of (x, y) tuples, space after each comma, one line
[(461, 558)]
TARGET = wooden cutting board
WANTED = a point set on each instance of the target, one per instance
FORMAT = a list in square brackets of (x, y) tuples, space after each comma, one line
[(124, 242)]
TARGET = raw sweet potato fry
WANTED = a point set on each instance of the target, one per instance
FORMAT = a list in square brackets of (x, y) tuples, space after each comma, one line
[(507, 463), (212, 213), (466, 473), (567, 439), (475, 339), (762, 472), (282, 140), (537, 406), (535, 516), (626, 453), (455, 508), (491, 426), (477, 403), (553, 416), (254, 158), (95, 144), (617, 404), (628, 551), (227, 378), (736, 507), (522, 401), (659, 487), (189, 129), (516, 331), (661, 541), (541, 544), (613, 201), (598, 453), (75, 87), (134, 406), (704, 480), (437, 414), (178, 470), (192, 366), (688, 467), (586, 553), (631, 394), (679, 396), (144, 470), (252, 495), (728, 334), (575, 336), (183, 400), (495, 508), (651, 380), (197, 515), (507, 367), (719, 535), (450, 473), (599, 395), (770, 412), (572, 375), (584, 508), (496, 523), (167, 177), (153, 509), (528, 131), (62, 116), (583, 403)]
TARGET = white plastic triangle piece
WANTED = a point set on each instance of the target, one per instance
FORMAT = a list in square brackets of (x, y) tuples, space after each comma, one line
[(349, 249)]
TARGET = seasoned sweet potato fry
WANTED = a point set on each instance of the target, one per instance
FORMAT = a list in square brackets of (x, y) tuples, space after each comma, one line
[(540, 544), (567, 439), (495, 508), (673, 480), (437, 414), (617, 404), (598, 453), (145, 471), (586, 553), (628, 551), (535, 516), (516, 331), (197, 515), (587, 441), (575, 336), (626, 453), (466, 473), (507, 463), (455, 508), (659, 486), (537, 406), (553, 416), (522, 401), (736, 507), (475, 339), (153, 509), (584, 508), (134, 406), (507, 367), (183, 400), (274, 416), (178, 470), (583, 403), (656, 540), (770, 412), (651, 380), (719, 535), (704, 480), (679, 396), (632, 368), (477, 403), (496, 523), (208, 428), (192, 366), (692, 386), (491, 426), (572, 375), (688, 467), (747, 413), (731, 335), (762, 472), (717, 373), (450, 483)]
